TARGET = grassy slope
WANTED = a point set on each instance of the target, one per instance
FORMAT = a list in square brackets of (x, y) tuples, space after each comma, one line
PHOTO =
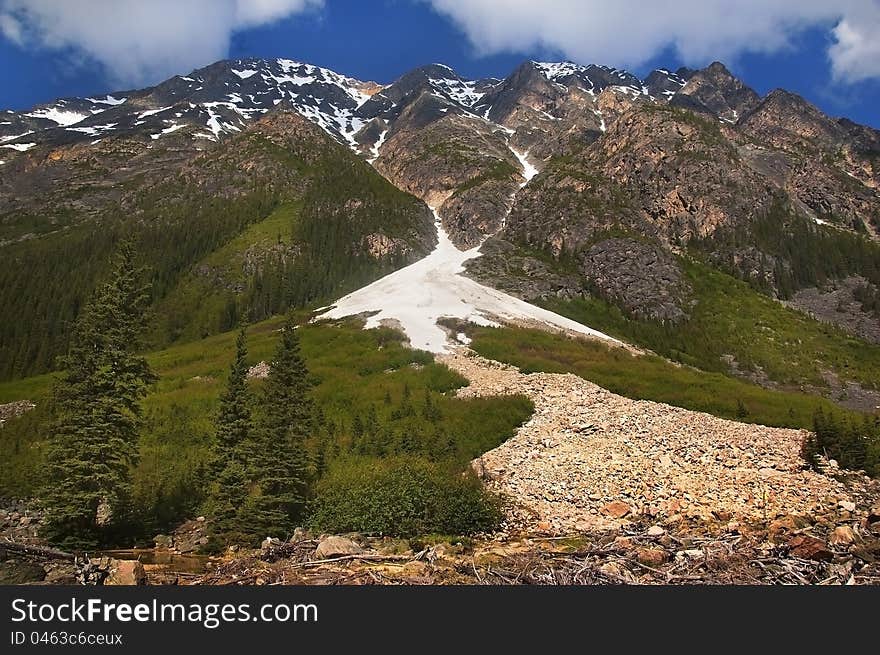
[(647, 377), (353, 370), (732, 318)]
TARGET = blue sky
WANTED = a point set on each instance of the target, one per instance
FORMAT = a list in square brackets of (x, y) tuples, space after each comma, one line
[(809, 51)]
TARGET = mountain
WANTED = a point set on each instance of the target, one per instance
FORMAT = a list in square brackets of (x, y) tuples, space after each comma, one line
[(251, 185)]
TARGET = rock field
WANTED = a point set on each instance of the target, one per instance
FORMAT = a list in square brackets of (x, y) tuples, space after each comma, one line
[(589, 459)]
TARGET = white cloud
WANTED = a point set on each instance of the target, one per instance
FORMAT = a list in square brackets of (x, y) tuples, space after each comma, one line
[(855, 55), (141, 41), (631, 32)]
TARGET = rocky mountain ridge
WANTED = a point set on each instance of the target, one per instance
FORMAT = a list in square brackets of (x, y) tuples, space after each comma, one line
[(566, 174)]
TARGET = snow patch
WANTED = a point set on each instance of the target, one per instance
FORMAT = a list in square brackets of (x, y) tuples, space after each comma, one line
[(107, 100), (59, 116), (461, 92), (244, 74), (92, 130), (15, 136), (151, 112), (374, 151), (167, 130), (529, 171), (21, 147), (417, 296), (556, 70)]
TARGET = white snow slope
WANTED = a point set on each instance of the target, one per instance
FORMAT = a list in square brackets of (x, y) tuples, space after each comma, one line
[(415, 297)]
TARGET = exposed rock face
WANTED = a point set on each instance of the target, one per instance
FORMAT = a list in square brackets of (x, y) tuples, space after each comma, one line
[(461, 167), (661, 172), (502, 266), (641, 278), (831, 165), (720, 92)]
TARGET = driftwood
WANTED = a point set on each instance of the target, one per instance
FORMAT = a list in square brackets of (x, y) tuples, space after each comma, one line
[(35, 552)]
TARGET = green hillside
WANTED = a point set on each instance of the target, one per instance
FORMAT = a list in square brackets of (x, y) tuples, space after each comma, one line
[(376, 398), (275, 217)]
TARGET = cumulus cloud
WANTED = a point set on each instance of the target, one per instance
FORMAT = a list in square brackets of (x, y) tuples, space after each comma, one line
[(631, 32), (141, 41), (855, 54)]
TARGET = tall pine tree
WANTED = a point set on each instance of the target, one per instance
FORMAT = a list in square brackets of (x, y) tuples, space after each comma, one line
[(229, 489), (280, 463), (97, 412)]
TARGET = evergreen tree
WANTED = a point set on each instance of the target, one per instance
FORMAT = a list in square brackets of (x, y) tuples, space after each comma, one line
[(280, 464), (229, 489), (233, 424), (97, 412)]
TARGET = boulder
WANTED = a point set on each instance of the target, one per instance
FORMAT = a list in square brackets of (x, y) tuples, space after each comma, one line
[(163, 541), (300, 534), (651, 556), (335, 546), (656, 531), (806, 547), (616, 509), (842, 535), (126, 572)]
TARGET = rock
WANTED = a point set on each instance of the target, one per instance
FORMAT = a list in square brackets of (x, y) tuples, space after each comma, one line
[(847, 505), (874, 514), (259, 371), (690, 553), (613, 570), (415, 568), (806, 547), (620, 475), (783, 525), (651, 556), (104, 513), (622, 543), (163, 541), (300, 534), (616, 509), (842, 535), (335, 546), (722, 515), (269, 543), (656, 531), (200, 519), (126, 572)]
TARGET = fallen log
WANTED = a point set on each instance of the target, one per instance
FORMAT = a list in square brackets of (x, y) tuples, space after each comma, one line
[(36, 552)]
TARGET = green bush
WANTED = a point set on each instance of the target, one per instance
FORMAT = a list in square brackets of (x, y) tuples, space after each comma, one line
[(402, 497)]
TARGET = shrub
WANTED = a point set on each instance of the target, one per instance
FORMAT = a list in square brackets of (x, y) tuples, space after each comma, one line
[(402, 497)]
